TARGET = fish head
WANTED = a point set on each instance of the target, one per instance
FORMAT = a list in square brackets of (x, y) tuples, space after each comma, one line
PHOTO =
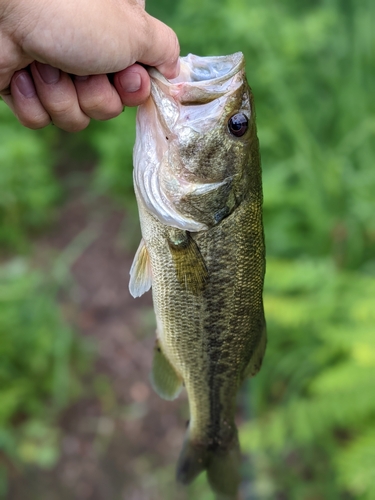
[(194, 142)]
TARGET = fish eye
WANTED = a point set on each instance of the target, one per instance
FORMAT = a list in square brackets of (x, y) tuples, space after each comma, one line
[(238, 124)]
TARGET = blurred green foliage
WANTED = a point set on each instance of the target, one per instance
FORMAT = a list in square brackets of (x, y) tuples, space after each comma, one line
[(313, 399), (113, 144), (312, 69), (38, 367), (40, 358), (29, 190)]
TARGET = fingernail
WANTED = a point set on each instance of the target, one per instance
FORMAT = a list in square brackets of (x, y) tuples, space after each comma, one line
[(82, 78), (48, 73), (130, 82), (25, 84)]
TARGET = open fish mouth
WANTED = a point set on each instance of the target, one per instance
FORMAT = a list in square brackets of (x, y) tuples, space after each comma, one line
[(201, 79), (197, 69)]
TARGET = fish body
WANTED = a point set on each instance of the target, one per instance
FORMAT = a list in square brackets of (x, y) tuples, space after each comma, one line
[(198, 184)]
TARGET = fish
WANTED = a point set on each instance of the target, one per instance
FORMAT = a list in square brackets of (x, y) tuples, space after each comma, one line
[(198, 185)]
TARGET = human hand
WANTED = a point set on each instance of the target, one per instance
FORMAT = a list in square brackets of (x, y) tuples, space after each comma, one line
[(55, 58)]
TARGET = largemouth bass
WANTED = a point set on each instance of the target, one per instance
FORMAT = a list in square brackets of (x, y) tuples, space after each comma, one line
[(197, 180)]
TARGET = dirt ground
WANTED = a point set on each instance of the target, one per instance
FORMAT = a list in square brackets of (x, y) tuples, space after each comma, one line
[(120, 440)]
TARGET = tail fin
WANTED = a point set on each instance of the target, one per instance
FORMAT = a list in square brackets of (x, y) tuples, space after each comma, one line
[(222, 466)]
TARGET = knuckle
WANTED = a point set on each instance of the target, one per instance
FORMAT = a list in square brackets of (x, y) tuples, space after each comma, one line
[(102, 107), (35, 122), (109, 114), (67, 115), (74, 126), (60, 108), (95, 103)]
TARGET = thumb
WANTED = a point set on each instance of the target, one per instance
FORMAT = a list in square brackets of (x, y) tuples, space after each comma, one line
[(156, 45)]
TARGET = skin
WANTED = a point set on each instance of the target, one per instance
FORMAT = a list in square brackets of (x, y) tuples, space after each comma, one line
[(55, 58)]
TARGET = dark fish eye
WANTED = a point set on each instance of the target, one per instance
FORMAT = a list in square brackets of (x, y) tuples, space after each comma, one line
[(238, 124)]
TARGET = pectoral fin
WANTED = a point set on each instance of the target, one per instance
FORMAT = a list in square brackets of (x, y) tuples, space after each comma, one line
[(164, 379), (140, 272), (189, 264)]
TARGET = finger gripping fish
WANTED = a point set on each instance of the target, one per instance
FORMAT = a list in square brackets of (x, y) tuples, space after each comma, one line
[(197, 180)]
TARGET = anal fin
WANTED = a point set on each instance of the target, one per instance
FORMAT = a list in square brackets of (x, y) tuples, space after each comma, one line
[(164, 379), (140, 272)]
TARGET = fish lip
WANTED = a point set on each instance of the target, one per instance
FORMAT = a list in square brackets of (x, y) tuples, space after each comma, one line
[(201, 81), (189, 67)]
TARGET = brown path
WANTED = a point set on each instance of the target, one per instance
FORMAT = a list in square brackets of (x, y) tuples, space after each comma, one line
[(119, 440)]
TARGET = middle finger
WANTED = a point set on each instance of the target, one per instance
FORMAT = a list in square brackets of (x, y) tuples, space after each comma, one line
[(58, 96)]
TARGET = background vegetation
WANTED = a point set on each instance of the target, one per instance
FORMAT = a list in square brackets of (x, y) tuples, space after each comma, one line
[(311, 411)]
